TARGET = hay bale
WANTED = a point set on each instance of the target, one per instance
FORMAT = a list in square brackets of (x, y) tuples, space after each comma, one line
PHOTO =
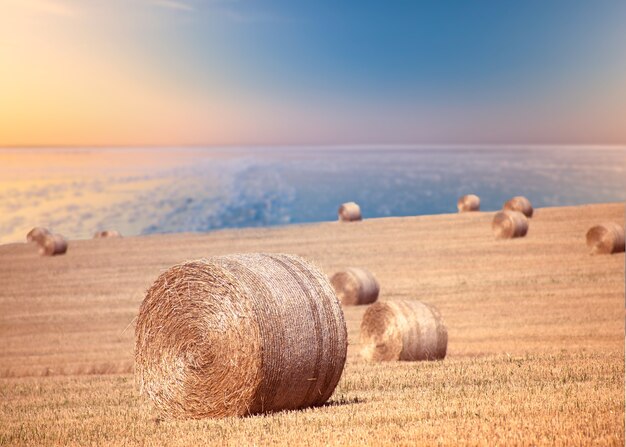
[(509, 224), (403, 330), (106, 234), (521, 204), (52, 245), (349, 212), (469, 202), (239, 334), (355, 286), (37, 234), (606, 238)]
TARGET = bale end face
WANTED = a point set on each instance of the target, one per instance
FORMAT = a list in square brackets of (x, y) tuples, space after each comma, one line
[(403, 330), (607, 238), (53, 245), (521, 204), (355, 286), (37, 235), (468, 203), (509, 224), (239, 334), (349, 212)]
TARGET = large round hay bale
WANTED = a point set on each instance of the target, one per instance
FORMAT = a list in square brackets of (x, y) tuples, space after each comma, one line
[(521, 204), (403, 330), (106, 234), (239, 334), (469, 202), (52, 245), (509, 224), (355, 286), (349, 212), (37, 234), (606, 238)]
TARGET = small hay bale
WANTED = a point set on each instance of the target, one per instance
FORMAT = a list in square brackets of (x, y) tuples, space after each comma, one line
[(403, 330), (469, 202), (106, 234), (349, 212), (355, 286), (509, 224), (606, 238), (52, 245), (37, 234), (239, 334), (521, 204)]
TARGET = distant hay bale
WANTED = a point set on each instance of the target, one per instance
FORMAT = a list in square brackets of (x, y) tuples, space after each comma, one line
[(606, 238), (509, 224), (403, 330), (521, 204), (239, 334), (469, 202), (349, 212), (52, 245), (106, 234), (355, 286), (37, 234)]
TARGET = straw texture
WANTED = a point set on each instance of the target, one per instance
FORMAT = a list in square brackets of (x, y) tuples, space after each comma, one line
[(37, 234), (239, 334), (349, 212), (509, 224), (469, 202), (403, 330), (52, 245), (355, 286), (106, 234), (606, 238), (521, 204)]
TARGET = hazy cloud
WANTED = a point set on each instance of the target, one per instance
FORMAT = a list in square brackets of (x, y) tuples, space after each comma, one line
[(173, 4)]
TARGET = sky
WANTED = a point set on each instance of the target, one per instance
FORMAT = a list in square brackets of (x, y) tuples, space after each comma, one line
[(279, 72)]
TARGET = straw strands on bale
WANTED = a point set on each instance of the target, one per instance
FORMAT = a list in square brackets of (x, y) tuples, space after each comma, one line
[(469, 202), (106, 234), (239, 334), (606, 238), (509, 224), (349, 212), (52, 244), (521, 204), (355, 286), (37, 234), (403, 330)]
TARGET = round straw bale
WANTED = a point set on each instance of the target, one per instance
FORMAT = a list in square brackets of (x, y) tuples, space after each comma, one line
[(509, 224), (349, 212), (403, 330), (606, 238), (53, 244), (521, 204), (239, 334), (355, 286), (37, 234), (106, 234), (469, 202)]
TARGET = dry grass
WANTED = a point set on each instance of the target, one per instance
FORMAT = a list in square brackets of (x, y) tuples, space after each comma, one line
[(535, 350)]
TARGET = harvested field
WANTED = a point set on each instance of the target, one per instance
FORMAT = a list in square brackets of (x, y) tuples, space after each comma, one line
[(535, 326)]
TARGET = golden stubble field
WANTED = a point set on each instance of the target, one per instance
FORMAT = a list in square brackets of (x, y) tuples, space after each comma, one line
[(535, 354)]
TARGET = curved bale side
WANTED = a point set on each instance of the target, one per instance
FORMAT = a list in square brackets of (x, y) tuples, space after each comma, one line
[(106, 234), (521, 204), (606, 238), (52, 245), (349, 212), (467, 203), (239, 334), (355, 286), (403, 330), (509, 224), (37, 234)]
